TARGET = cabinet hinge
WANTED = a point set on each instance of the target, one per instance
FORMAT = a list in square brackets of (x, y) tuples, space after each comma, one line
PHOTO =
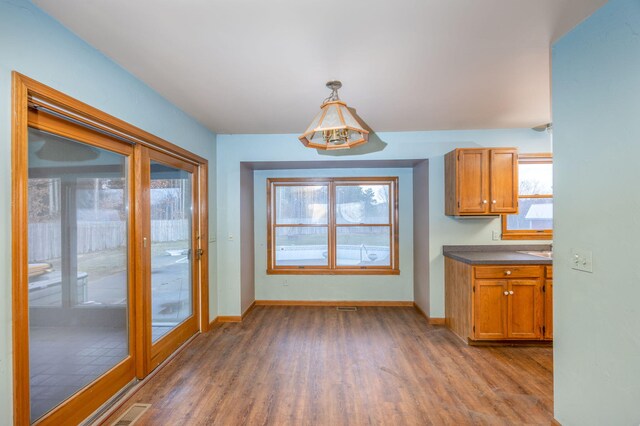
[(474, 328), (474, 288), (544, 329), (458, 204), (544, 288)]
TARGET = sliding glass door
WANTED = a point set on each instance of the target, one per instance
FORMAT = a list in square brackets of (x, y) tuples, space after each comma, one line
[(79, 256), (172, 251), (108, 279)]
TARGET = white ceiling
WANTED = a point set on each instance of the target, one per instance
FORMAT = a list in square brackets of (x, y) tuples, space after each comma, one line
[(259, 66)]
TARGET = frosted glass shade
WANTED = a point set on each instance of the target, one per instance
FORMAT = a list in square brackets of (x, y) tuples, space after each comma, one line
[(334, 128)]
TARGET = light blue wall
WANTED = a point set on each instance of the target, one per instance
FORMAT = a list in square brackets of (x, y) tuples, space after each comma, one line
[(596, 109), (336, 287), (34, 44), (233, 149)]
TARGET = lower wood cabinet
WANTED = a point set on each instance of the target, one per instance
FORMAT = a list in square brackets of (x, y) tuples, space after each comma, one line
[(498, 302), (548, 303), (490, 309)]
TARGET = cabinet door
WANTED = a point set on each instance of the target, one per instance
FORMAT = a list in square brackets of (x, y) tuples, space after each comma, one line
[(504, 181), (472, 181), (525, 309), (490, 309), (548, 309)]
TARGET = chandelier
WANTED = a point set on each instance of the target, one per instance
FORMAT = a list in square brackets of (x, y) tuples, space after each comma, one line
[(334, 127)]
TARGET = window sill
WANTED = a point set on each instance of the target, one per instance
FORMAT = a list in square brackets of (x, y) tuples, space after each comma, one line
[(514, 235), (308, 271)]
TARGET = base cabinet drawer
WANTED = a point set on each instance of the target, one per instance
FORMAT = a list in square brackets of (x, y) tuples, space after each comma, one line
[(508, 271)]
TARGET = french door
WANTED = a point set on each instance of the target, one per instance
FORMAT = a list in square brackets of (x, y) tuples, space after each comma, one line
[(109, 275), (171, 250)]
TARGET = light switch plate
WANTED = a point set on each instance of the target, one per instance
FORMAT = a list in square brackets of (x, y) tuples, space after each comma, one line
[(582, 260)]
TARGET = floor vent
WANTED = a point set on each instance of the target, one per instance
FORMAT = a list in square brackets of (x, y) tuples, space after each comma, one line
[(131, 415), (346, 308)]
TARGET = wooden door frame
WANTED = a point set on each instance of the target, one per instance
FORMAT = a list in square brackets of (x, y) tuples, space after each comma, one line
[(156, 353), (26, 91)]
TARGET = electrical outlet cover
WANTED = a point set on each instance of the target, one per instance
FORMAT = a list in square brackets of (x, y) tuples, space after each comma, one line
[(582, 260)]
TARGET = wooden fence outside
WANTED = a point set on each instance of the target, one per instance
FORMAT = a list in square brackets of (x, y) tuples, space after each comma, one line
[(45, 238)]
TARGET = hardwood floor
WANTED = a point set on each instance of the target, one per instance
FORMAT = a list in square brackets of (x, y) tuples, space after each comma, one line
[(319, 366)]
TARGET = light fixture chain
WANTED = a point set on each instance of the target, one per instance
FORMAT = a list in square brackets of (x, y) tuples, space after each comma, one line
[(333, 96), (334, 86)]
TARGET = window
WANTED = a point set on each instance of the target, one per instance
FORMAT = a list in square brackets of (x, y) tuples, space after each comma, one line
[(332, 226), (534, 220)]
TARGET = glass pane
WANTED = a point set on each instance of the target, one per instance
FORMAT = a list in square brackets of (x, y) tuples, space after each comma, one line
[(314, 123), (331, 118), (536, 179), (301, 205), (362, 204), (535, 214), (302, 246), (349, 119), (171, 298), (363, 246), (45, 246), (77, 266)]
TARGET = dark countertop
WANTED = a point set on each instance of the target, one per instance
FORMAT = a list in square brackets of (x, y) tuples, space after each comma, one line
[(498, 255)]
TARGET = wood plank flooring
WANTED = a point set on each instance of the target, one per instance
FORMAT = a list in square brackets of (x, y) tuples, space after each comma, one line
[(319, 366)]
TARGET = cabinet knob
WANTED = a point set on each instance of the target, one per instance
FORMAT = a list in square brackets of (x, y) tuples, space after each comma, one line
[(493, 202), (506, 293), (484, 201), (507, 272), (511, 292)]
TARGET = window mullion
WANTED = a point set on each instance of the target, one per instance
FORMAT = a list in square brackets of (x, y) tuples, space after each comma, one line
[(332, 225)]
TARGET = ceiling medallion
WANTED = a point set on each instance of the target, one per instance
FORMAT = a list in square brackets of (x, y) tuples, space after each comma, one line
[(334, 127)]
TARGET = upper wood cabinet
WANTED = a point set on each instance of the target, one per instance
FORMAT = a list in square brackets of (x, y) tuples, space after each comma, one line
[(481, 181)]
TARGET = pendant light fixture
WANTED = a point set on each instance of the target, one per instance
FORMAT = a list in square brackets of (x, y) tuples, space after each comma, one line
[(334, 127)]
